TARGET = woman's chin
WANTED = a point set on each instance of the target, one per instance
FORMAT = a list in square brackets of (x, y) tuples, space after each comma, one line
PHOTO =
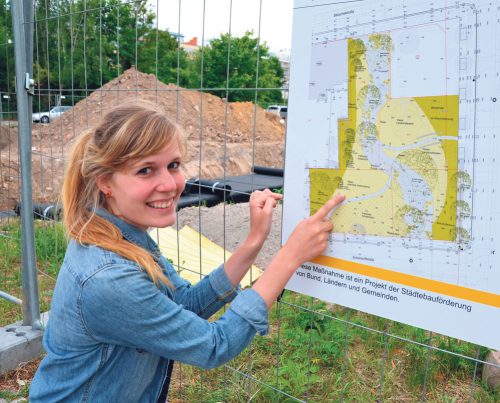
[(164, 222)]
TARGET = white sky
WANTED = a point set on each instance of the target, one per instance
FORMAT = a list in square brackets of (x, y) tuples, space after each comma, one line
[(276, 19)]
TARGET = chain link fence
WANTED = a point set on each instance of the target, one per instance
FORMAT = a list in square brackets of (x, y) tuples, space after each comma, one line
[(90, 55)]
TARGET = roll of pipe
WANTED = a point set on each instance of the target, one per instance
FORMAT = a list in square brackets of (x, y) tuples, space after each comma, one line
[(43, 211), (210, 186), (194, 199), (189, 186), (260, 170)]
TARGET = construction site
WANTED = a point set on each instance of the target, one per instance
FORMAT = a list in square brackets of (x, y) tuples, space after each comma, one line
[(226, 137)]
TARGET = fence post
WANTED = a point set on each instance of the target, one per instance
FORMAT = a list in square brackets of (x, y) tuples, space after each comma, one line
[(22, 19)]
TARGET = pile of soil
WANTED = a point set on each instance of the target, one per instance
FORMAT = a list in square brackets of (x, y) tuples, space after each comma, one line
[(8, 137), (221, 136), (9, 167), (47, 170)]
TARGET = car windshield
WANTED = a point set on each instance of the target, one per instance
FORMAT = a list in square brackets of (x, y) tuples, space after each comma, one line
[(60, 109)]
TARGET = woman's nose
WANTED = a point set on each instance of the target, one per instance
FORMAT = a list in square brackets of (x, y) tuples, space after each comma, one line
[(166, 182)]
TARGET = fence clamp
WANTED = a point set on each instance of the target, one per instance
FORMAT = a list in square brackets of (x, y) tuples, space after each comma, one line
[(29, 84)]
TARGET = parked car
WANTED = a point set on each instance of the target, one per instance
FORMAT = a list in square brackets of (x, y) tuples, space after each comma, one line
[(280, 110), (46, 117)]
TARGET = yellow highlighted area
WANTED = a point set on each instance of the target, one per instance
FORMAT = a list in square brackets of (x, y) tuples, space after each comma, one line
[(195, 256), (442, 113), (439, 287), (397, 157)]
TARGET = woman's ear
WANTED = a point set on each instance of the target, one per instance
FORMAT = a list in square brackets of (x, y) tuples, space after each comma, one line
[(102, 183)]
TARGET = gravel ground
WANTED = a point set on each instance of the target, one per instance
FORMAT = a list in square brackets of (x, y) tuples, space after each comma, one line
[(235, 219)]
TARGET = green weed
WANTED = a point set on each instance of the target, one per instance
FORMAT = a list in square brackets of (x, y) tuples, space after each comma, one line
[(10, 396), (50, 246)]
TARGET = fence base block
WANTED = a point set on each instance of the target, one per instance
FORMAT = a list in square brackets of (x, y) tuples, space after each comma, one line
[(19, 344)]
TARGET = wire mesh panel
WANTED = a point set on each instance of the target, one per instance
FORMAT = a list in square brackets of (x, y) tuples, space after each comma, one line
[(91, 55), (10, 229)]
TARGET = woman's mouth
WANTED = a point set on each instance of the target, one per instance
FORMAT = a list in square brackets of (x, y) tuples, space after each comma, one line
[(160, 204)]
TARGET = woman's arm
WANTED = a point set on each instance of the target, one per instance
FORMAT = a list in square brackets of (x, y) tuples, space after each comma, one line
[(120, 305), (261, 212), (308, 240)]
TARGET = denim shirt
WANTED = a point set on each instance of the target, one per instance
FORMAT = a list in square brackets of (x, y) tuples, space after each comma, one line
[(112, 332)]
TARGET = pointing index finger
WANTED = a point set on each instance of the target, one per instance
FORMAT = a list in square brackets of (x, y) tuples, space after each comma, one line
[(325, 210)]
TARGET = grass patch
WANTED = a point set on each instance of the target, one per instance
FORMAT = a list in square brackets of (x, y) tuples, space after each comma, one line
[(50, 246), (323, 352)]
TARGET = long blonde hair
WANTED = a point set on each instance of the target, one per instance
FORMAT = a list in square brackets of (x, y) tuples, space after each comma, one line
[(128, 132)]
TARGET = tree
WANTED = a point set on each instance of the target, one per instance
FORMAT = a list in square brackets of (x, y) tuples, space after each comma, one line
[(243, 55), (159, 54), (79, 45), (82, 44), (7, 68)]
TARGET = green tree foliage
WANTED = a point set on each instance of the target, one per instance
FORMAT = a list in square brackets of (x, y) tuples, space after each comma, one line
[(7, 66), (80, 45), (243, 53), (162, 46), (7, 69), (85, 43)]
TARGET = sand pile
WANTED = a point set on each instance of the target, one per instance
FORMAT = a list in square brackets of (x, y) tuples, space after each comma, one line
[(230, 136)]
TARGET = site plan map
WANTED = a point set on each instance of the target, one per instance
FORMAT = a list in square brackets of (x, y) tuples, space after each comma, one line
[(394, 104)]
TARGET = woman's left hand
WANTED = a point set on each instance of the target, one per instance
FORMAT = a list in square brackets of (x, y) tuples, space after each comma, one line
[(261, 217), (261, 213)]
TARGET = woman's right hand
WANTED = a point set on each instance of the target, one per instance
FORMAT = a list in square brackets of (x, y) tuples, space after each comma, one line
[(308, 240), (310, 237)]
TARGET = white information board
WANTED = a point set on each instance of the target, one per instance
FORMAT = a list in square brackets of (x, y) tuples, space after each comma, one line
[(396, 105)]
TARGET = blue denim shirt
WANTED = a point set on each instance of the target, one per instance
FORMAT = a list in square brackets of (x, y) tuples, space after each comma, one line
[(112, 331)]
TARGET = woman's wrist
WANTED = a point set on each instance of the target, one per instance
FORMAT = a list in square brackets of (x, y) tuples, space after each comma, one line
[(287, 260), (275, 277), (254, 241)]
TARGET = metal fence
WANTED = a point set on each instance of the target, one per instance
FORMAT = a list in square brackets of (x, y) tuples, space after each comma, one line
[(92, 54)]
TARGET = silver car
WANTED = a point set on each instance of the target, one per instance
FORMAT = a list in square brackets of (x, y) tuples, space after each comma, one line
[(46, 117), (280, 110)]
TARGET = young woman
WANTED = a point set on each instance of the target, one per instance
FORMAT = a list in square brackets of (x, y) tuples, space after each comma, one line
[(120, 314)]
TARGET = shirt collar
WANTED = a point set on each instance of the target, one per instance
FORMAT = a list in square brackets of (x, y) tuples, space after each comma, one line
[(131, 233)]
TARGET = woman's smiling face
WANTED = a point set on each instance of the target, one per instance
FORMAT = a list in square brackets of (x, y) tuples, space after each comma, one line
[(145, 192)]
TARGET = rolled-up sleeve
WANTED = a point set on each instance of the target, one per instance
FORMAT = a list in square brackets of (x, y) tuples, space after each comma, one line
[(250, 306), (120, 305), (205, 298), (222, 285)]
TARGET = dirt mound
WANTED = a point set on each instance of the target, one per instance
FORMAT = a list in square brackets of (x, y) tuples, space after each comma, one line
[(200, 114), (225, 137), (9, 167), (8, 136)]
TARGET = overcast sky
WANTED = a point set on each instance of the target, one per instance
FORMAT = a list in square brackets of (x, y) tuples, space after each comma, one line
[(275, 26)]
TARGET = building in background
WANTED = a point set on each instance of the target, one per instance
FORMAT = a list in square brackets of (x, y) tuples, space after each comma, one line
[(191, 46), (284, 57)]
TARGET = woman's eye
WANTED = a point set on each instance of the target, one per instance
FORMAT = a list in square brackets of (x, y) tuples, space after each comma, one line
[(174, 165), (144, 171)]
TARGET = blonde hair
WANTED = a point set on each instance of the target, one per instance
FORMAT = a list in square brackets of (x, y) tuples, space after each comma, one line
[(128, 132)]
